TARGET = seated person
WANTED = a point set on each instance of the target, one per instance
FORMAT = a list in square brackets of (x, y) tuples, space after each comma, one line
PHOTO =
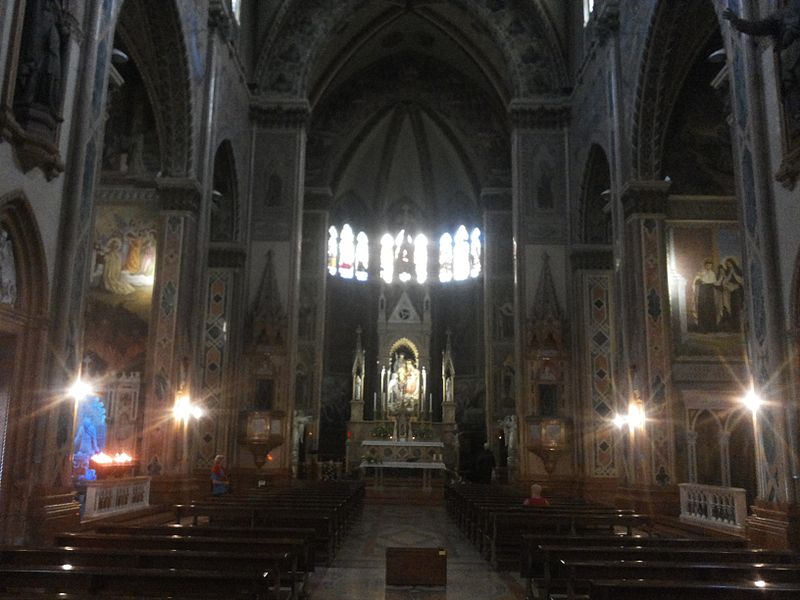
[(536, 497)]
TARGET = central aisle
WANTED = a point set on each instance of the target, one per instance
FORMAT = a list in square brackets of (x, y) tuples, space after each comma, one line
[(358, 572)]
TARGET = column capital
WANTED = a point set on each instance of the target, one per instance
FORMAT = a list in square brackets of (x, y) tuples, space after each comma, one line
[(541, 112), (645, 198), (179, 194), (280, 113)]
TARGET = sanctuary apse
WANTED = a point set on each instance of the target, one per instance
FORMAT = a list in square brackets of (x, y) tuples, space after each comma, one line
[(279, 230)]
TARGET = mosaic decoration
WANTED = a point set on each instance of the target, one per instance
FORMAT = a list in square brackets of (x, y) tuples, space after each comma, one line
[(211, 432), (600, 360), (658, 361)]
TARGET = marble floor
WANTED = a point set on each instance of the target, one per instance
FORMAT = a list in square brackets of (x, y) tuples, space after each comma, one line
[(358, 571)]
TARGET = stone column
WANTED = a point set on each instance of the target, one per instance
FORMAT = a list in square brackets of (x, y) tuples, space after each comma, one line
[(592, 286), (171, 348), (278, 184), (539, 183), (753, 80), (645, 307)]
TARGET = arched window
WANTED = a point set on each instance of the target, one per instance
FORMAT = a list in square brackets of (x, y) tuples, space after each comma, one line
[(461, 255), (446, 258), (347, 253), (421, 258), (588, 7), (387, 258), (333, 250), (475, 253), (362, 256)]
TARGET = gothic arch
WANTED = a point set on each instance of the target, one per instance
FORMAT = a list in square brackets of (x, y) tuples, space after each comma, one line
[(17, 218), (225, 211), (23, 328), (153, 33), (670, 51), (523, 32)]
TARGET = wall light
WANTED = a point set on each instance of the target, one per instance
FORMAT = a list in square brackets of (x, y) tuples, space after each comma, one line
[(635, 419), (80, 390), (752, 401), (184, 409)]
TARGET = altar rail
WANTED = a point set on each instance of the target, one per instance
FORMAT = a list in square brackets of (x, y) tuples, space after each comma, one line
[(116, 496), (718, 508)]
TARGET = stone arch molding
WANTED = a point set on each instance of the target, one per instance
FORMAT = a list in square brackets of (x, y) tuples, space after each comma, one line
[(522, 30), (670, 51), (153, 33), (17, 217)]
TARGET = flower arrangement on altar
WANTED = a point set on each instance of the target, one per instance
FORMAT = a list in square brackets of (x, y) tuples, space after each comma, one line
[(381, 432)]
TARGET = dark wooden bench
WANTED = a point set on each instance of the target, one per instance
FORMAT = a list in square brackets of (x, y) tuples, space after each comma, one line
[(92, 581), (651, 589)]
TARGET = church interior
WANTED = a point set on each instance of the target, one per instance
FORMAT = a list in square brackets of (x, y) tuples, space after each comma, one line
[(381, 266)]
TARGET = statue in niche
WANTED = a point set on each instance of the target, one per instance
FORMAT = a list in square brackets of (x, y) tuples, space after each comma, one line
[(90, 437), (40, 72), (8, 270), (784, 27)]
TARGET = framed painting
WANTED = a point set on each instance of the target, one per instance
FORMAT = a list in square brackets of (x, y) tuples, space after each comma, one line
[(706, 287)]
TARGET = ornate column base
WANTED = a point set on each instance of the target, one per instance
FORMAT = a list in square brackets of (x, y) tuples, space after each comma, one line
[(774, 526)]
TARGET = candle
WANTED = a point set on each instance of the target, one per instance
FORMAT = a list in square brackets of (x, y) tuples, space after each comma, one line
[(374, 404)]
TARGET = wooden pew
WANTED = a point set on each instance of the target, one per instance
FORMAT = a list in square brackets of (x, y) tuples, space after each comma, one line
[(505, 543), (90, 581), (581, 573), (257, 516), (651, 589)]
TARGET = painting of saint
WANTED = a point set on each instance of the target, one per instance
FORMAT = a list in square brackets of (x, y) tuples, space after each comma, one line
[(706, 290)]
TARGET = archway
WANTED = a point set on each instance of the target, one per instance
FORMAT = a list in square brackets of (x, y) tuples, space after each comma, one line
[(595, 224), (23, 310)]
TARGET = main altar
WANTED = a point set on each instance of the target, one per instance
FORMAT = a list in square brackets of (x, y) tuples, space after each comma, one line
[(410, 429)]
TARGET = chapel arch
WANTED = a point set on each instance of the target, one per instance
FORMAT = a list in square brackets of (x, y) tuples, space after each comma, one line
[(224, 218), (595, 225), (24, 307)]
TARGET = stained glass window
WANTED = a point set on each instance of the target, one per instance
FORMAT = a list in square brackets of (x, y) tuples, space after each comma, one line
[(362, 256), (446, 258), (347, 253), (333, 250), (461, 255), (421, 258), (387, 258), (475, 253)]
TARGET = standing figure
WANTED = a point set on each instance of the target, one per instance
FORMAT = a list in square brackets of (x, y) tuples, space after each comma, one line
[(220, 484), (705, 288), (484, 465), (731, 281)]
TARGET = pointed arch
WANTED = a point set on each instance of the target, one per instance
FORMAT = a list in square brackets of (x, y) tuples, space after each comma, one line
[(17, 218), (670, 52), (153, 33), (595, 220), (224, 221)]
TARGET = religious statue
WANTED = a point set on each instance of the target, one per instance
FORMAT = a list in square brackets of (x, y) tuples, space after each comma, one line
[(784, 27), (40, 72)]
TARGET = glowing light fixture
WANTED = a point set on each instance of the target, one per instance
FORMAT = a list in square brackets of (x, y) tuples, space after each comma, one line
[(760, 583), (184, 409), (80, 390), (752, 401)]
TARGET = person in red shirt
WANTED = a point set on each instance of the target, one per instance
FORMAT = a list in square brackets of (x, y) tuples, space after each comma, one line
[(536, 497)]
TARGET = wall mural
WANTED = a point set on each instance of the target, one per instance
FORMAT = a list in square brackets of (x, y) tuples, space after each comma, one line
[(706, 290), (8, 270), (122, 278)]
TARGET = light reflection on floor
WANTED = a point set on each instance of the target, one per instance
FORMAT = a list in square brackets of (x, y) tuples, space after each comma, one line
[(358, 571)]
